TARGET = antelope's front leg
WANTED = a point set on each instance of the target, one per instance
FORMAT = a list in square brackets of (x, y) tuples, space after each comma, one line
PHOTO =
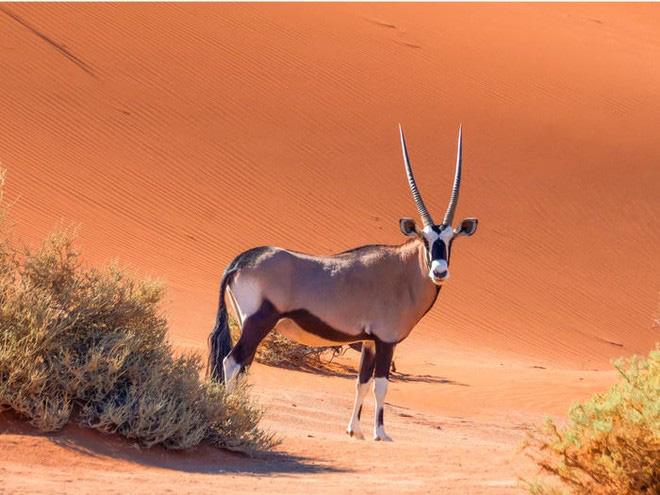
[(384, 352), (367, 361)]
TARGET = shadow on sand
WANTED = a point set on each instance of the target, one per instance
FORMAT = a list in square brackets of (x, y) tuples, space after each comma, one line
[(323, 369), (202, 459), (344, 371), (410, 378), (330, 367)]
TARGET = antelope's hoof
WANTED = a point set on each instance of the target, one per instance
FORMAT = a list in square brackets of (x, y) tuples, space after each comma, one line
[(358, 435), (383, 438)]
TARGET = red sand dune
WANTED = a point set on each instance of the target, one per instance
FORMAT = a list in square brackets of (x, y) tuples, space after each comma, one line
[(180, 135)]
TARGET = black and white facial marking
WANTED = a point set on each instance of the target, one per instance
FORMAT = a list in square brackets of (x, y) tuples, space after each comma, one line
[(437, 240), (437, 243)]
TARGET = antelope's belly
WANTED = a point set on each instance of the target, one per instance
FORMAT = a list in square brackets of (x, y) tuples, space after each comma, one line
[(315, 337)]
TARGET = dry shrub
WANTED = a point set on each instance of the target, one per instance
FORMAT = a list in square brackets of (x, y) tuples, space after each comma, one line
[(90, 346), (277, 350), (610, 444)]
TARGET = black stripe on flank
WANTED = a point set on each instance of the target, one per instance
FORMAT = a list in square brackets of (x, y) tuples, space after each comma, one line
[(316, 326)]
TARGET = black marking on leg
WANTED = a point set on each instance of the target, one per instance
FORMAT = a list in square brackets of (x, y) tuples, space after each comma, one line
[(359, 413), (380, 416), (384, 353), (254, 330), (367, 361), (351, 433)]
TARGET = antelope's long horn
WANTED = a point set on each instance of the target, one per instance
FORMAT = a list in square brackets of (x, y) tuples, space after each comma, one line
[(451, 209), (426, 218)]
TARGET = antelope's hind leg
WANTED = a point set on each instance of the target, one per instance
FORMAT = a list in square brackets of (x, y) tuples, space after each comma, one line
[(255, 328), (367, 361), (384, 353)]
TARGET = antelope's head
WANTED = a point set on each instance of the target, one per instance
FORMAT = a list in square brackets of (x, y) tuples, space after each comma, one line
[(437, 238)]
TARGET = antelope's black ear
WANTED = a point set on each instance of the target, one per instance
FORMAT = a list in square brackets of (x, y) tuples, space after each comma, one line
[(409, 227), (468, 227)]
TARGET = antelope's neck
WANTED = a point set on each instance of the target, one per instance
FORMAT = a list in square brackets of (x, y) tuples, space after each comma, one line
[(422, 290)]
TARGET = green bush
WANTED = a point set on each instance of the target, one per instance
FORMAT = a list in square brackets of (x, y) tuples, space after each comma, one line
[(90, 346), (610, 444)]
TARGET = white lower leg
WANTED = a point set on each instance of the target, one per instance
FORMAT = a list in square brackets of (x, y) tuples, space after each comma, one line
[(380, 389), (361, 390), (231, 369)]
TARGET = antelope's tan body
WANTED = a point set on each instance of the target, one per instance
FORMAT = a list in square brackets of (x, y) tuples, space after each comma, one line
[(379, 291)]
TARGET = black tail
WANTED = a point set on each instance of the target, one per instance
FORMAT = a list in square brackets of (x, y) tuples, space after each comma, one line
[(220, 338)]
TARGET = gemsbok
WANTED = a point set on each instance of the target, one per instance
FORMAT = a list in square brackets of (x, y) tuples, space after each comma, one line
[(372, 294)]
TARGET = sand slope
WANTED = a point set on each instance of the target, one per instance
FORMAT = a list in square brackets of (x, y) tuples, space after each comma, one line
[(180, 135)]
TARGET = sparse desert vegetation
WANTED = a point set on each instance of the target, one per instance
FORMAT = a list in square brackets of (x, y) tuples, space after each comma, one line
[(90, 346), (611, 443), (277, 350)]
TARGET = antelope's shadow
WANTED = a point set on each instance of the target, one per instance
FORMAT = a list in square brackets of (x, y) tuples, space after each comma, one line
[(341, 370)]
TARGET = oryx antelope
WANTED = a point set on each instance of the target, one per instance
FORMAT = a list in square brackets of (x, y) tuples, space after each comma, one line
[(372, 294)]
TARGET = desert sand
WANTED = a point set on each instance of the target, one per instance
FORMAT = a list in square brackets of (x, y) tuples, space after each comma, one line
[(178, 136)]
